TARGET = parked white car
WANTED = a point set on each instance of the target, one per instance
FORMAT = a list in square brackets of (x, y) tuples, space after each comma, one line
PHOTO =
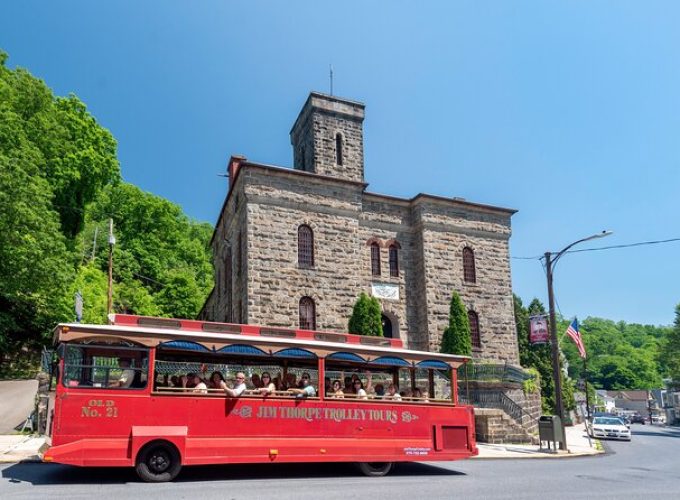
[(608, 428)]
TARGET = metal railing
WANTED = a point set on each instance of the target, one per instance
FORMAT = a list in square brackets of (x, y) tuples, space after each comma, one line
[(489, 372), (495, 399)]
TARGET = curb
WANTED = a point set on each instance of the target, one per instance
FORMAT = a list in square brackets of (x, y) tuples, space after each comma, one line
[(9, 459)]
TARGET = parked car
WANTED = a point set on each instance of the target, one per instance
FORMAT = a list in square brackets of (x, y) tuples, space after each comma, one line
[(608, 428), (637, 419)]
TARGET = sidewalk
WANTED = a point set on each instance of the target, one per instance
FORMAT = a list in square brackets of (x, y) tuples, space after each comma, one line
[(20, 447), (577, 441)]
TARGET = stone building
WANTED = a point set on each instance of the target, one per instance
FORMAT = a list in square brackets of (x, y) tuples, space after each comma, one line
[(295, 247)]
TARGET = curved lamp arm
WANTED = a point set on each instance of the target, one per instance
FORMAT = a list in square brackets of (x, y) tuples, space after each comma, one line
[(592, 237)]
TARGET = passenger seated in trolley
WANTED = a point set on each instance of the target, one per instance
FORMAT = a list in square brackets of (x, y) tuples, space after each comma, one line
[(335, 391), (239, 386), (306, 390), (199, 385), (126, 377), (215, 379), (268, 386), (393, 393)]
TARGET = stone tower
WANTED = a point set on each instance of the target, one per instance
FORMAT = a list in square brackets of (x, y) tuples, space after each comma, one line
[(328, 137)]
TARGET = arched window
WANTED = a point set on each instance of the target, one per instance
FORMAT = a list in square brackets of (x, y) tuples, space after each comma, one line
[(394, 260), (375, 259), (338, 149), (469, 273), (475, 338), (303, 160), (307, 314), (305, 246)]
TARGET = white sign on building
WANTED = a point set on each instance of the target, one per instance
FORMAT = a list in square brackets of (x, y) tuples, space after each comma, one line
[(385, 291)]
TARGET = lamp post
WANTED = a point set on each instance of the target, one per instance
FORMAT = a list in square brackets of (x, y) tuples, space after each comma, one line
[(557, 375)]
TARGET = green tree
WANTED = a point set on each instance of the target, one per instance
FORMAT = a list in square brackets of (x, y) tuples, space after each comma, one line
[(670, 350), (34, 260), (366, 317), (54, 158), (536, 356), (75, 154), (162, 259), (620, 355), (456, 337)]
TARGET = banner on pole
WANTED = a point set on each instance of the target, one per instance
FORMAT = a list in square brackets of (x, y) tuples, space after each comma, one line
[(538, 330)]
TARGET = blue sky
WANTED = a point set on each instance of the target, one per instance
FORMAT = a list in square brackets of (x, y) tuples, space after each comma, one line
[(566, 111)]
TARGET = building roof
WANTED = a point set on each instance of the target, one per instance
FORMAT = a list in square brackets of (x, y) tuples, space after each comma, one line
[(629, 395)]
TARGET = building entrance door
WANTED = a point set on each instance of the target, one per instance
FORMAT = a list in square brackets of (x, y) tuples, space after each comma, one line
[(386, 326)]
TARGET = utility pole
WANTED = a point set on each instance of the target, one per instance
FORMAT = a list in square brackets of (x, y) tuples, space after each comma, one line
[(94, 243), (555, 348), (557, 372), (585, 381), (112, 241)]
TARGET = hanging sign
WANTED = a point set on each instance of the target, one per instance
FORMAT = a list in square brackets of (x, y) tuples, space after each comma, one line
[(538, 330)]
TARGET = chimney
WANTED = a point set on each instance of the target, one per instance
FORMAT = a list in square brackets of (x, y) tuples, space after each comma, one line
[(232, 169)]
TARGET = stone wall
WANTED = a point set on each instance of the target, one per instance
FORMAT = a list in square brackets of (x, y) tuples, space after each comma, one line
[(314, 137), (257, 234), (446, 230)]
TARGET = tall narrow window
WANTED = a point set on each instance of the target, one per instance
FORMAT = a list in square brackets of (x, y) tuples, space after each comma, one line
[(239, 255), (307, 314), (475, 338), (303, 160), (375, 259), (305, 246), (338, 149), (394, 260), (469, 273)]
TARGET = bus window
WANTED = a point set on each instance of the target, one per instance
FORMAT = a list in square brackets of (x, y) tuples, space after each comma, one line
[(107, 366), (441, 385), (375, 380), (174, 369)]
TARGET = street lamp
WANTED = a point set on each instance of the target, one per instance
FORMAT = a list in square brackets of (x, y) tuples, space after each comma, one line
[(557, 375)]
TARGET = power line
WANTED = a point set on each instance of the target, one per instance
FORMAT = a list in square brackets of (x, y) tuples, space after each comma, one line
[(628, 245), (610, 247)]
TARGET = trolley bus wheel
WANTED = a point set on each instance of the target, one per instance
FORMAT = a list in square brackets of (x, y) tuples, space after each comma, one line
[(374, 469), (158, 462)]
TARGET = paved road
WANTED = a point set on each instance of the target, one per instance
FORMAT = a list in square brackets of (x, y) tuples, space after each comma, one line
[(646, 468), (17, 400)]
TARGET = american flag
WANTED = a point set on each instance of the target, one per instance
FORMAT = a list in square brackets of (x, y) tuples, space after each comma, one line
[(575, 335)]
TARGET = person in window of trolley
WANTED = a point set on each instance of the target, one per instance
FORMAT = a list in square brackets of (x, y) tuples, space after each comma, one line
[(306, 391), (393, 393), (336, 390), (215, 379), (268, 386), (126, 377), (238, 388), (199, 385), (359, 390)]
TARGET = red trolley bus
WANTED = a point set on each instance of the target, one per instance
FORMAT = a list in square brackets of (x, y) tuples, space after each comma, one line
[(147, 393)]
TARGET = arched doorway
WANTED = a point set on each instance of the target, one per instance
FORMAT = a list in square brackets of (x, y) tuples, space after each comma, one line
[(386, 327)]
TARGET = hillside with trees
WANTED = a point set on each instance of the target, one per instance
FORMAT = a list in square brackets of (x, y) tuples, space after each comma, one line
[(620, 355), (60, 183)]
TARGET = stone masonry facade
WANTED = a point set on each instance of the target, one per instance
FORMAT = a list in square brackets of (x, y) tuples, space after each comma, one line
[(255, 244)]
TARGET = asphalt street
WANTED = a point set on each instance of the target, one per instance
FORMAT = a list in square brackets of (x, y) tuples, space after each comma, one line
[(644, 468)]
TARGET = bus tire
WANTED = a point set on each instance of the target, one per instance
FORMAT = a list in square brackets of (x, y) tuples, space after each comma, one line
[(374, 469), (158, 462)]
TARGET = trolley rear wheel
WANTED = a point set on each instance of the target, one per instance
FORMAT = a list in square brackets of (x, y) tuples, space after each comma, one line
[(374, 469)]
